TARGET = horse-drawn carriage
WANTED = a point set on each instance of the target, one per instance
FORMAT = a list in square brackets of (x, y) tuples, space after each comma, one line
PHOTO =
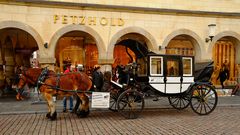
[(170, 76)]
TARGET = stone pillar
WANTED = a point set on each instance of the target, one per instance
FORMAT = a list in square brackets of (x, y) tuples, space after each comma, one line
[(50, 62), (106, 64), (106, 67)]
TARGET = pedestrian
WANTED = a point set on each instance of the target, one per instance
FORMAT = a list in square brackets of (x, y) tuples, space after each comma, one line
[(107, 81), (68, 70), (97, 78), (223, 75), (80, 68), (18, 70), (123, 75)]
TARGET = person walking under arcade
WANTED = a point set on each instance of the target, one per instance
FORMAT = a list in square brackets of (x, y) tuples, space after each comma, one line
[(68, 70), (223, 75), (97, 78)]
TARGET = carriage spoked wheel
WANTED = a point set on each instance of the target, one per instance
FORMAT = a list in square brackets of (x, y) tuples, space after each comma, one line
[(130, 103), (179, 102), (204, 99), (114, 94)]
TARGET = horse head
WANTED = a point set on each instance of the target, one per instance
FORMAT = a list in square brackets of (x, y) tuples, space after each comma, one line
[(31, 76)]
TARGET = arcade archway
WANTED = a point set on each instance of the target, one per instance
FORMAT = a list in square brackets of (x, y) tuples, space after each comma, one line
[(224, 53), (16, 49), (181, 45), (77, 48), (130, 47)]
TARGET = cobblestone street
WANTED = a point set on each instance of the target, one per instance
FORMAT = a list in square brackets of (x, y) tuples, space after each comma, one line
[(224, 120)]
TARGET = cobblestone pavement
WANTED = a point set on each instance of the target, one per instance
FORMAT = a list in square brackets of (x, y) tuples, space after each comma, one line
[(11, 106), (158, 118), (224, 120)]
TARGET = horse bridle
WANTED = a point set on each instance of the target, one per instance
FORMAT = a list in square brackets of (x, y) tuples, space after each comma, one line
[(26, 79)]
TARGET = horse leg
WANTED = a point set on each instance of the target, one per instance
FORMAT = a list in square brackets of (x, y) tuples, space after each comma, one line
[(52, 107), (84, 106), (76, 107), (49, 110)]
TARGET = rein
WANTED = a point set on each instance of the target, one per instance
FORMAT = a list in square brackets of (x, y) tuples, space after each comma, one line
[(44, 75), (65, 90), (57, 88)]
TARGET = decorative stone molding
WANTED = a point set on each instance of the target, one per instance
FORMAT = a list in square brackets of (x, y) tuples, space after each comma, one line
[(49, 60)]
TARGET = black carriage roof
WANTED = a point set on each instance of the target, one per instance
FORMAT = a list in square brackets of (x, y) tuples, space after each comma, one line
[(139, 49)]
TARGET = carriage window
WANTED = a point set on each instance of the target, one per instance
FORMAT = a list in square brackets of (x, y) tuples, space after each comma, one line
[(172, 68), (187, 66), (156, 64), (142, 67)]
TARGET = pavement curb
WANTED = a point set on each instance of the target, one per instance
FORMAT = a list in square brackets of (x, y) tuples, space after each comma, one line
[(106, 110)]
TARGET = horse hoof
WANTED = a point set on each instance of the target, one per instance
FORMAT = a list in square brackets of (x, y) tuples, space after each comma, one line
[(48, 115), (82, 113), (54, 116)]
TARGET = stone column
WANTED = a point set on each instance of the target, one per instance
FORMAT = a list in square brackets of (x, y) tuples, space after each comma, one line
[(50, 62), (106, 64)]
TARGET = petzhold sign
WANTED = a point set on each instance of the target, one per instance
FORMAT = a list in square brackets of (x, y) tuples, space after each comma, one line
[(84, 20)]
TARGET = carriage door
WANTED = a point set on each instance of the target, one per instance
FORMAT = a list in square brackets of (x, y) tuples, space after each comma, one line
[(188, 78), (173, 74), (156, 79)]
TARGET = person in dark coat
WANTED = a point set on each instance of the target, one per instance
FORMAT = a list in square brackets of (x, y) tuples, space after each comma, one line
[(123, 75), (97, 78), (223, 75)]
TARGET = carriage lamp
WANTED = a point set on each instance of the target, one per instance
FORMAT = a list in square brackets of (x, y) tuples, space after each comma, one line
[(211, 28)]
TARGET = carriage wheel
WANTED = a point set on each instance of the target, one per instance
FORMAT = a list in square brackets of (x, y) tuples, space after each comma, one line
[(179, 102), (204, 99), (113, 100), (130, 104)]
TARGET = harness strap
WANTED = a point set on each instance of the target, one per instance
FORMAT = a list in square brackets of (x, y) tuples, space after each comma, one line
[(66, 90), (58, 84)]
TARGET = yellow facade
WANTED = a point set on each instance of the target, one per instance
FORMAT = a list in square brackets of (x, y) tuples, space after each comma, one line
[(158, 22)]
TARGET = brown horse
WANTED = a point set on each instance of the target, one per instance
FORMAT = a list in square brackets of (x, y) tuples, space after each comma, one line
[(52, 85)]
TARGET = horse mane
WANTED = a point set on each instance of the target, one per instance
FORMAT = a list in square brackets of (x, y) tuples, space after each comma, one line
[(33, 74)]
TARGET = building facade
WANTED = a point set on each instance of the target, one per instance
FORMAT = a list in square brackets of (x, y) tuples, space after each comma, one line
[(98, 31)]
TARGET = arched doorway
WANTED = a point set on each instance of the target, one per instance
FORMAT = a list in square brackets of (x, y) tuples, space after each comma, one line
[(181, 45), (16, 49), (77, 48), (224, 53), (128, 49)]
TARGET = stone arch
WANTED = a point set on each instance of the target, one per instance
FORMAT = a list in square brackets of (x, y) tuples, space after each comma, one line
[(72, 27), (235, 38), (150, 41), (24, 27), (195, 39)]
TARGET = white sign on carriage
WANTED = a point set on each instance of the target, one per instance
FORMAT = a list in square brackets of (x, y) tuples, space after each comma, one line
[(100, 99)]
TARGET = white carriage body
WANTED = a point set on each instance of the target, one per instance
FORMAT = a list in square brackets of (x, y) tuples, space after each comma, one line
[(171, 74)]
